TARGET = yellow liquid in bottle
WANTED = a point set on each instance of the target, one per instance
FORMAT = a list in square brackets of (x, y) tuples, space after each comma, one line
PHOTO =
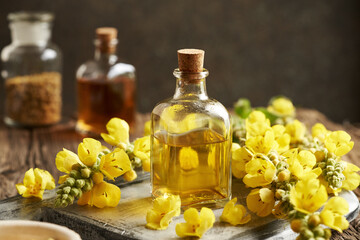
[(194, 165)]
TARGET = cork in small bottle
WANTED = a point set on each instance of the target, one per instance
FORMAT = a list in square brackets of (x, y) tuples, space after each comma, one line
[(191, 60), (106, 38)]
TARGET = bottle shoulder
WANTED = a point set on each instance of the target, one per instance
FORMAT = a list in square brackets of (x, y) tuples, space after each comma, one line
[(94, 69), (14, 52)]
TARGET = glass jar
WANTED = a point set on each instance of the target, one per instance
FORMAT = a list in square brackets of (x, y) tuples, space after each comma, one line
[(191, 140), (32, 71), (105, 87)]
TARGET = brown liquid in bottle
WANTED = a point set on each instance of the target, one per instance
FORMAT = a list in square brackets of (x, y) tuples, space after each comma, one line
[(100, 100)]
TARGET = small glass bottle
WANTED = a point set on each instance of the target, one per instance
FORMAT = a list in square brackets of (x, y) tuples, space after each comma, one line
[(32, 71), (105, 87), (191, 139)]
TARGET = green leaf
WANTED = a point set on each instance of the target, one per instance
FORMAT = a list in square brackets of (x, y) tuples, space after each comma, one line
[(243, 107)]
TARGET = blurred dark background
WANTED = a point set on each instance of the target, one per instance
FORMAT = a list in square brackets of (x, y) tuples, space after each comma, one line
[(307, 50)]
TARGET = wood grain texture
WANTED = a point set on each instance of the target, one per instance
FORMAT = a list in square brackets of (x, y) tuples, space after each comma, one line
[(21, 149)]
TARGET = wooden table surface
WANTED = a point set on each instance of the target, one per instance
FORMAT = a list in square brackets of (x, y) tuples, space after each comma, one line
[(21, 149)]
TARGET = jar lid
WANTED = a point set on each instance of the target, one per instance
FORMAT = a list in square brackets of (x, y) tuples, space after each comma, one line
[(30, 16)]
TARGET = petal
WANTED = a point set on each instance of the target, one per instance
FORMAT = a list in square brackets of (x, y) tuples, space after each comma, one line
[(115, 164), (29, 178), (191, 216), (63, 178), (153, 219), (65, 159), (106, 195), (164, 222), (21, 188), (184, 229), (86, 199), (88, 151)]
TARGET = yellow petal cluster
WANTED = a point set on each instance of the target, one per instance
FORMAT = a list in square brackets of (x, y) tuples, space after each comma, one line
[(196, 225), (101, 195), (188, 158), (282, 106), (333, 214), (35, 182), (235, 214), (319, 131), (282, 138), (352, 178), (240, 157), (256, 124), (261, 201), (260, 172), (118, 133), (308, 195), (115, 164), (339, 143), (142, 151), (300, 163), (164, 209), (88, 151), (296, 130), (262, 144)]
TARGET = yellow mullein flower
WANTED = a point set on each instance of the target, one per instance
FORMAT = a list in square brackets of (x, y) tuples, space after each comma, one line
[(142, 151), (260, 201), (256, 124), (296, 130), (308, 195), (88, 151), (35, 182), (118, 133), (147, 128), (282, 106), (240, 157), (339, 143), (319, 131), (188, 158), (352, 178), (235, 214), (282, 138), (101, 195), (65, 159), (115, 164), (164, 209), (300, 163), (195, 225), (262, 144), (333, 214), (260, 172)]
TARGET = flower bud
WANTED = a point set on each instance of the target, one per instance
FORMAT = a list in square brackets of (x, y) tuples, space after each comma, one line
[(76, 166), (284, 176), (66, 189), (327, 233), (75, 174), (296, 225), (314, 220), (130, 175), (74, 192), (80, 183), (65, 196), (87, 187), (279, 193), (69, 181), (319, 231), (85, 172), (306, 233)]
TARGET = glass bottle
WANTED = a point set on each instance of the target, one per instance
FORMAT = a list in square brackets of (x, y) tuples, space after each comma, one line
[(105, 87), (32, 71), (191, 139)]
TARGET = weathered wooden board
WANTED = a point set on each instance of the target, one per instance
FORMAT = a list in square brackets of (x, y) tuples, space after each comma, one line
[(127, 220)]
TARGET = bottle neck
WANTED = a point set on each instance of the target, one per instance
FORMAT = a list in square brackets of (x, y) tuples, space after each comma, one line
[(105, 51), (191, 85), (30, 33)]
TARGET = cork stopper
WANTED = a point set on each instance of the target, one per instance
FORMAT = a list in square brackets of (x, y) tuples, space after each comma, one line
[(191, 60), (106, 33), (106, 39)]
